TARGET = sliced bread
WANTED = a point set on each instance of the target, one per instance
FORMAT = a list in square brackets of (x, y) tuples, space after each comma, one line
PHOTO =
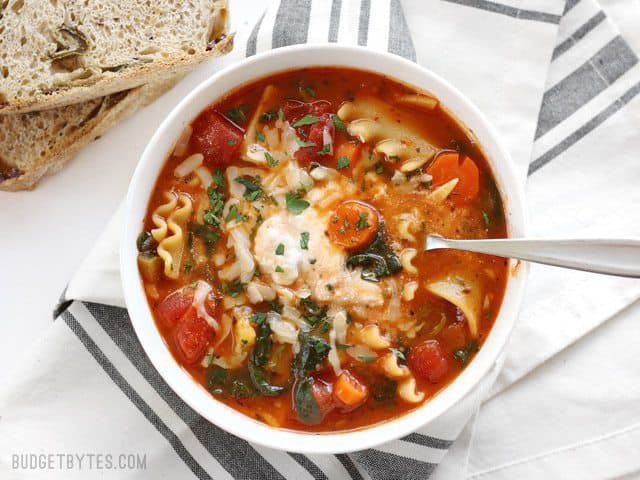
[(36, 144), (56, 53)]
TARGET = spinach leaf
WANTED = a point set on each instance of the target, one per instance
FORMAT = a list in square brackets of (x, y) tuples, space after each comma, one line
[(377, 259), (258, 360), (307, 407), (236, 384), (464, 354), (313, 350)]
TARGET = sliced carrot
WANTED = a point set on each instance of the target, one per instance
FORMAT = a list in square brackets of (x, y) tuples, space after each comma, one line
[(349, 392), (449, 165), (347, 156), (353, 224)]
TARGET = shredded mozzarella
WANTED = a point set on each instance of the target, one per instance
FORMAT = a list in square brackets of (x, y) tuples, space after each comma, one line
[(202, 290)]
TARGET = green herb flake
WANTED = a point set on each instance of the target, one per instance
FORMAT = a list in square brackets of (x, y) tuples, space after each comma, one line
[(303, 144), (310, 91), (238, 114), (295, 204), (232, 141), (487, 221), (279, 269), (362, 221), (304, 240), (366, 359), (306, 120), (268, 116), (326, 148), (464, 354), (281, 114), (343, 346), (339, 124), (343, 162), (398, 353), (272, 162), (280, 249), (218, 178), (312, 261), (260, 137), (379, 169), (252, 187)]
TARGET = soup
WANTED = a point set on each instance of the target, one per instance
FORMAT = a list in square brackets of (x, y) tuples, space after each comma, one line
[(282, 251)]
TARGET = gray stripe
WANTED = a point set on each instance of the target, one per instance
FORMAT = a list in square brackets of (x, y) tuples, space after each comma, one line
[(363, 26), (592, 23), (252, 42), (292, 23), (309, 466), (400, 41), (389, 466), (334, 22), (584, 130), (509, 10), (235, 455), (349, 466), (428, 441), (136, 399), (569, 5), (590, 79)]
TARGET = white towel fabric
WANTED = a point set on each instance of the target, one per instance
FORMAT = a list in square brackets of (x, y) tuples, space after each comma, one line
[(582, 109)]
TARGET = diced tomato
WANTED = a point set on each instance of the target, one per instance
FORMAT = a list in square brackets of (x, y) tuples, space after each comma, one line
[(454, 336), (175, 305), (315, 135), (349, 392), (427, 361), (193, 335), (215, 137), (323, 393), (294, 110)]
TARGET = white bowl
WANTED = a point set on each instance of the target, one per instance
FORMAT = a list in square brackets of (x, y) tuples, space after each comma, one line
[(143, 182)]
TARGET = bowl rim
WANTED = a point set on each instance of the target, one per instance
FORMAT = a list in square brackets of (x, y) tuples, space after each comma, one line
[(143, 182)]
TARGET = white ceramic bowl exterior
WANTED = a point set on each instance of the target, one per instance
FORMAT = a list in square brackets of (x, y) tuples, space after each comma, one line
[(144, 179)]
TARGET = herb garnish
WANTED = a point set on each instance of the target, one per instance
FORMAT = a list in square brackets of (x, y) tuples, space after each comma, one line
[(306, 120), (303, 144), (238, 114), (465, 353), (295, 204), (339, 124), (252, 187), (260, 136), (304, 240), (280, 249), (362, 221), (272, 162), (343, 162)]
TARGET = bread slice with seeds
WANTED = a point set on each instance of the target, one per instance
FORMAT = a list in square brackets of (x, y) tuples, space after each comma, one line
[(56, 53)]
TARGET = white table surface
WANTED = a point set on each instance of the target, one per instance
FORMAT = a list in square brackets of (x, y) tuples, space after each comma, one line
[(47, 232)]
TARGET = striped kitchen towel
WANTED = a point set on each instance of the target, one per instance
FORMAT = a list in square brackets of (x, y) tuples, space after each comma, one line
[(94, 388)]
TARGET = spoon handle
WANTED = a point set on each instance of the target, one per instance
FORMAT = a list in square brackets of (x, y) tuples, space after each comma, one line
[(610, 256)]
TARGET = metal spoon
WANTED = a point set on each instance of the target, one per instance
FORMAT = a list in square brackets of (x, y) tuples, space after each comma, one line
[(609, 256)]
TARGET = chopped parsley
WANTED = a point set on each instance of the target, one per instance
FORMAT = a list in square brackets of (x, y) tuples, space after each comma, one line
[(306, 120), (218, 178), (366, 359), (379, 169), (238, 114), (207, 235), (260, 136), (304, 240), (272, 162), (303, 144), (339, 124), (279, 269), (486, 218), (326, 148), (280, 249), (295, 204), (252, 187), (234, 214), (232, 141), (343, 346), (464, 354), (268, 116), (362, 221), (310, 90), (343, 162), (232, 289)]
